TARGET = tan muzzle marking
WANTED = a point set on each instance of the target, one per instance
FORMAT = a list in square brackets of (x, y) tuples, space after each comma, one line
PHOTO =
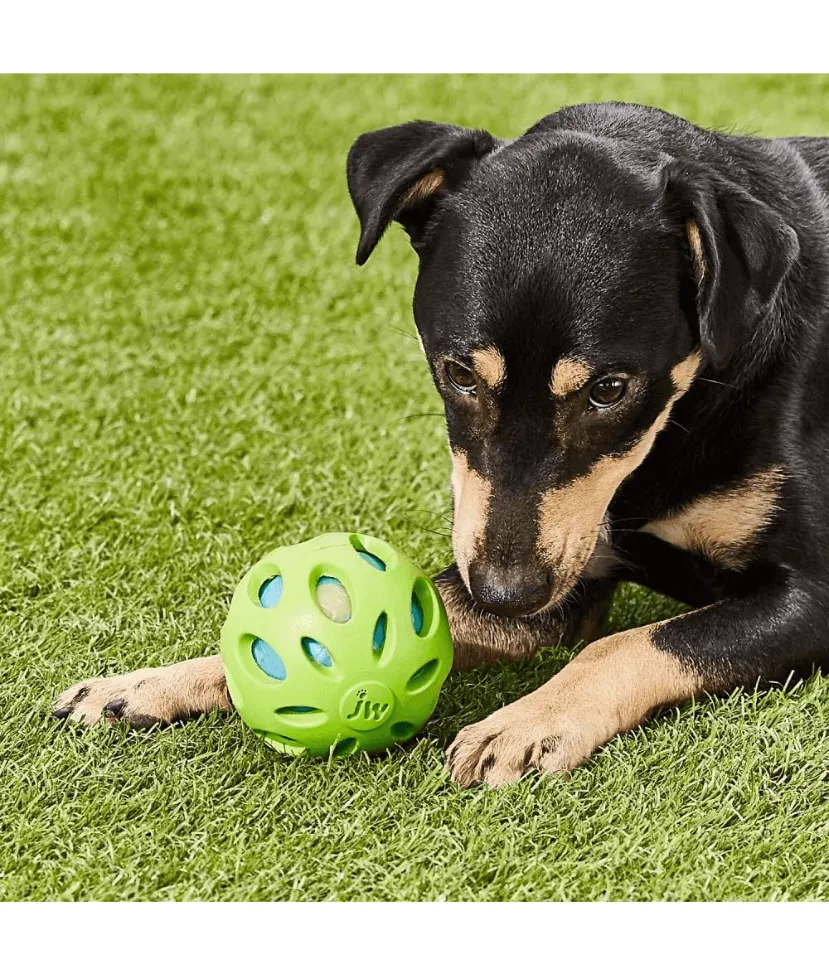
[(571, 518), (471, 496)]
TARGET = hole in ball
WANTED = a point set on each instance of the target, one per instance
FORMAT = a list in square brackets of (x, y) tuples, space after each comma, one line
[(423, 676), (270, 592), (373, 560), (344, 747), (378, 639), (316, 651), (417, 614), (403, 730), (333, 599), (268, 660), (369, 557)]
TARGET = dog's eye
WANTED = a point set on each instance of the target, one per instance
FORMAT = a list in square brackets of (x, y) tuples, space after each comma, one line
[(461, 377), (607, 392)]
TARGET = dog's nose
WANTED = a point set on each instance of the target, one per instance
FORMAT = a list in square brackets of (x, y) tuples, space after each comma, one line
[(510, 592)]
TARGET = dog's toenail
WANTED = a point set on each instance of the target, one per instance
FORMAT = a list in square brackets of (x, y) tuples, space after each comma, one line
[(114, 709), (62, 713)]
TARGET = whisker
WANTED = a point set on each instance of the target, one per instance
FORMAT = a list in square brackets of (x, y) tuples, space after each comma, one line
[(402, 331), (716, 382), (423, 528), (440, 518), (434, 514)]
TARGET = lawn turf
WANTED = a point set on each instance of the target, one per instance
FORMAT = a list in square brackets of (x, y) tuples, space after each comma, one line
[(192, 371)]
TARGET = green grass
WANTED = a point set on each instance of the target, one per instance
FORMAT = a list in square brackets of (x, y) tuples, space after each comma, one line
[(192, 371)]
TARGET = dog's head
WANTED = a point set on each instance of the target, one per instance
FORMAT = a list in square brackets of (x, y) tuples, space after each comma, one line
[(569, 291)]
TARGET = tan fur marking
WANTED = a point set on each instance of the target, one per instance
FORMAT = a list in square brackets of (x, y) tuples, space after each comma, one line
[(684, 373), (490, 366), (568, 376), (722, 525), (470, 494), (622, 678), (420, 191), (612, 686), (697, 253), (571, 517)]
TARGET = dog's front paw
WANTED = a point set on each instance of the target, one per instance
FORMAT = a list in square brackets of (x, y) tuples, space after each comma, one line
[(134, 698), (149, 697), (503, 747), (610, 687)]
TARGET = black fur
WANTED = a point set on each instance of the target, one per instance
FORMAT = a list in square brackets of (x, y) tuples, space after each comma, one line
[(571, 242)]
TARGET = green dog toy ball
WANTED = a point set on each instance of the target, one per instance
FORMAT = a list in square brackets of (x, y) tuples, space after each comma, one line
[(337, 644)]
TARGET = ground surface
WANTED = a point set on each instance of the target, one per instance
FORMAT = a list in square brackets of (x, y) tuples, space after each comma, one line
[(193, 370)]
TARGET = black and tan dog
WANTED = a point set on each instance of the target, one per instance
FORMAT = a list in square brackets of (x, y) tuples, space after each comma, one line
[(627, 318)]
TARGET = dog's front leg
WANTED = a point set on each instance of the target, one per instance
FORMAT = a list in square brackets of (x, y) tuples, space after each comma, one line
[(166, 695), (152, 696), (481, 637), (613, 685)]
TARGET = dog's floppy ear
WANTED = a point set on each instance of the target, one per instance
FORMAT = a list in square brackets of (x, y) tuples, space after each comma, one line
[(740, 253), (397, 174)]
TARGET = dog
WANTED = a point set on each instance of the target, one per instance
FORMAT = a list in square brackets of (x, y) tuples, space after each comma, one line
[(626, 318)]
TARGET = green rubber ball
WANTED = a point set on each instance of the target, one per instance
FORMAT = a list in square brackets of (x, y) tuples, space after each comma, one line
[(337, 644)]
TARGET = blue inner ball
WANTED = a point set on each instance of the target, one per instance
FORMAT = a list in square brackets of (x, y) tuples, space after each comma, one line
[(378, 638), (268, 659), (417, 615), (270, 592), (316, 651), (373, 560)]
